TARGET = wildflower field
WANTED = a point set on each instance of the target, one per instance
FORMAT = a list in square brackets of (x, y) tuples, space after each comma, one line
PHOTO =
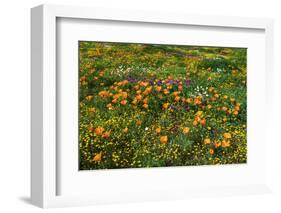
[(146, 105)]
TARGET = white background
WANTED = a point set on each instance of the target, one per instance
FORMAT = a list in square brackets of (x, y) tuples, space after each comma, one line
[(15, 105)]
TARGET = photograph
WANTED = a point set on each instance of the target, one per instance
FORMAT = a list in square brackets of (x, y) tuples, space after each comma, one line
[(158, 105)]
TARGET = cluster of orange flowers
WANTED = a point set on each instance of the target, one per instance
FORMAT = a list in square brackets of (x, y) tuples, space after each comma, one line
[(142, 91), (100, 131), (224, 143), (199, 119)]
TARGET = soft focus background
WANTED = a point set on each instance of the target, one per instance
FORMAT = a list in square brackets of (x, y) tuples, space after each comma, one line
[(15, 105)]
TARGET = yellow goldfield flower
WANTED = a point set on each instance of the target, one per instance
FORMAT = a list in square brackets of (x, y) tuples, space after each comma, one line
[(186, 130), (164, 139), (97, 157)]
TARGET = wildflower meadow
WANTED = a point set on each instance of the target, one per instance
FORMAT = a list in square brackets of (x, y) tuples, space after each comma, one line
[(148, 105)]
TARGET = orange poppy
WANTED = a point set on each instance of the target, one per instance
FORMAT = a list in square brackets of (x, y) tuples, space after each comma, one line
[(93, 109), (145, 101), (186, 130), (123, 102), (227, 135), (224, 109), (97, 157), (164, 139), (195, 123), (177, 98), (158, 130), (203, 122), (103, 93), (109, 106), (225, 143), (217, 144), (158, 88), (89, 97), (165, 106), (207, 141), (99, 131), (138, 97), (106, 134)]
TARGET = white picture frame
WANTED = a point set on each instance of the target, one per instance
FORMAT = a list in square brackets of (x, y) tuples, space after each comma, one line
[(44, 154)]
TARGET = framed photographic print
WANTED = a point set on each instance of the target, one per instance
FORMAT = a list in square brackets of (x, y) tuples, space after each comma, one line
[(130, 106)]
